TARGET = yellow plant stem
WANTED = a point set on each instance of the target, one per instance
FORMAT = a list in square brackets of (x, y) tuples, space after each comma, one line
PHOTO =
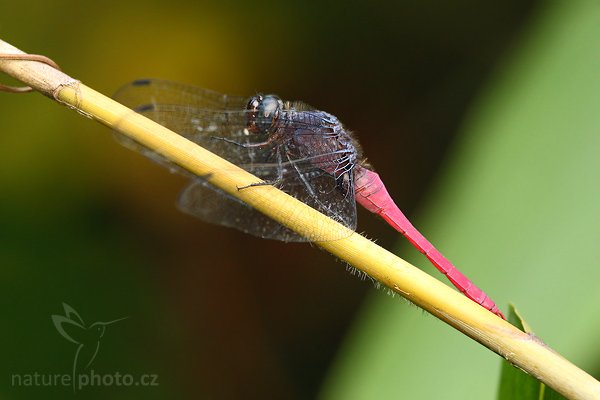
[(523, 350)]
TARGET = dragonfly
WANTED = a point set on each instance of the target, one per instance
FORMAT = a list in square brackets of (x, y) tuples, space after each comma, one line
[(301, 150)]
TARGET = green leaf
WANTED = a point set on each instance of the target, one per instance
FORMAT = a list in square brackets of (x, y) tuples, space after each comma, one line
[(515, 383)]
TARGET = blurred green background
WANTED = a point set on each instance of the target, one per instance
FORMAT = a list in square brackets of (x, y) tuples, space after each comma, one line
[(482, 119)]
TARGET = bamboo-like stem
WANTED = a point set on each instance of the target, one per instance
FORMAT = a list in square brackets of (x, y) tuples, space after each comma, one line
[(523, 350)]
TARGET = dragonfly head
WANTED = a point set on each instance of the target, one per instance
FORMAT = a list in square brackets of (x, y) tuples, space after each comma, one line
[(263, 112)]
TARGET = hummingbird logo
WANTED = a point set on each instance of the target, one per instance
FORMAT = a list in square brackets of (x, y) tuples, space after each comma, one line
[(86, 337)]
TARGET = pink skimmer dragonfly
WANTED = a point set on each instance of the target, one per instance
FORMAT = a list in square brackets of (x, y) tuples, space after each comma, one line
[(302, 151)]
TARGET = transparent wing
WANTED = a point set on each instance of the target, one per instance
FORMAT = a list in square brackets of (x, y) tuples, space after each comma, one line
[(195, 113), (206, 118), (213, 205), (156, 91)]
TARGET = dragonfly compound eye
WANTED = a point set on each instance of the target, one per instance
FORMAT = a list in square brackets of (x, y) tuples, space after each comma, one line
[(263, 113)]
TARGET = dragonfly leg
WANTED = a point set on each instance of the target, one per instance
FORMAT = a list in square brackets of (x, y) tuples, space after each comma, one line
[(272, 182), (244, 145), (323, 207), (263, 183), (306, 184)]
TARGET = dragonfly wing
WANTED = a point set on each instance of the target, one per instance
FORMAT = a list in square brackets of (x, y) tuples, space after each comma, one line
[(209, 203), (197, 114), (156, 91)]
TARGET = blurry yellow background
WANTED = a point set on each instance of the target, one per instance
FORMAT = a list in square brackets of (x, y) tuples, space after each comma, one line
[(481, 118)]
